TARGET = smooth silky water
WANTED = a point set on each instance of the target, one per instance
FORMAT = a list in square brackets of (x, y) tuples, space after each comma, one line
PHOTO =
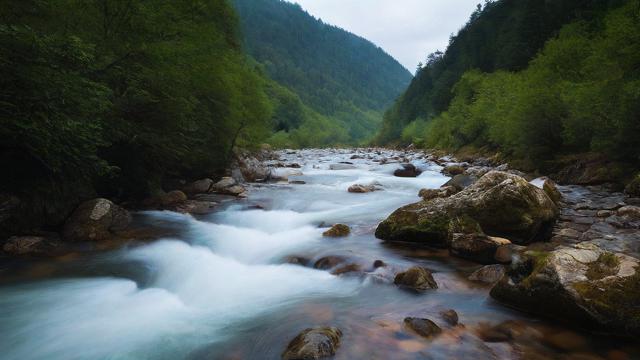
[(221, 287)]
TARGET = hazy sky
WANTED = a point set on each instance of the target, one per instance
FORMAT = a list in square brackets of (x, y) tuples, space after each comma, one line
[(407, 29)]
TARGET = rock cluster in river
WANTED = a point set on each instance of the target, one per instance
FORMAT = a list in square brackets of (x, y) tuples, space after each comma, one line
[(498, 203)]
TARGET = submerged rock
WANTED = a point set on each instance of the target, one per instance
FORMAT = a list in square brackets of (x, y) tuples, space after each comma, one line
[(95, 220), (582, 284), (337, 230), (361, 189), (341, 166), (450, 316), (328, 262), (502, 204), (312, 344), (408, 170), (416, 278), (423, 327)]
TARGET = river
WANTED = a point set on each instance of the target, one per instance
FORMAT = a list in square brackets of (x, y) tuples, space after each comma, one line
[(221, 286)]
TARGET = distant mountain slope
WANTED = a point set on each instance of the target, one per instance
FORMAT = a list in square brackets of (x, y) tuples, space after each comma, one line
[(502, 35), (335, 73)]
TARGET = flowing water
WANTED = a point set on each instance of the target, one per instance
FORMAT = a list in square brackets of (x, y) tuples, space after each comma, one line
[(221, 286)]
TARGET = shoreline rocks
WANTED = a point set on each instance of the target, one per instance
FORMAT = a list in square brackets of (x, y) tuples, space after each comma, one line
[(29, 245), (95, 220)]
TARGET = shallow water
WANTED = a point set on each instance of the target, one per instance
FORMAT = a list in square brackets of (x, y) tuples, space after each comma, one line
[(221, 288)]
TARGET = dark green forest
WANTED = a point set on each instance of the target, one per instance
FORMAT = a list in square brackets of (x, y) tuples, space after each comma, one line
[(533, 79), (113, 96), (334, 85)]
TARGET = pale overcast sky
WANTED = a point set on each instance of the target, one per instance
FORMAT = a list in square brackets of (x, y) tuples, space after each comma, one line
[(407, 29)]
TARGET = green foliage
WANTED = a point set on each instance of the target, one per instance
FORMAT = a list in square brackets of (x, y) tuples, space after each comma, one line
[(121, 94), (338, 76), (501, 35), (580, 93)]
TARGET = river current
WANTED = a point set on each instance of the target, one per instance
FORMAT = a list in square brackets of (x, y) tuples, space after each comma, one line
[(222, 285)]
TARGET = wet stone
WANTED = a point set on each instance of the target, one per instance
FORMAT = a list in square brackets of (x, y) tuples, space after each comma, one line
[(450, 316), (423, 327)]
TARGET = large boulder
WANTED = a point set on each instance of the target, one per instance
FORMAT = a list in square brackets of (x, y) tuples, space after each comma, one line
[(502, 204), (583, 285), (313, 344), (95, 220), (408, 170)]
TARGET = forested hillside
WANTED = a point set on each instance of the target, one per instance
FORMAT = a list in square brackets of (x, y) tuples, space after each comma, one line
[(112, 97), (336, 80), (533, 79)]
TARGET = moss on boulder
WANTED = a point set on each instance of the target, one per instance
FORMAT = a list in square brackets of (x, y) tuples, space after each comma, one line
[(584, 285), (502, 204)]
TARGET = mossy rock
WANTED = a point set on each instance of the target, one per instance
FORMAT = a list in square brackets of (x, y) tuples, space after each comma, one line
[(316, 343), (416, 279), (409, 224), (581, 285), (337, 230), (503, 204)]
